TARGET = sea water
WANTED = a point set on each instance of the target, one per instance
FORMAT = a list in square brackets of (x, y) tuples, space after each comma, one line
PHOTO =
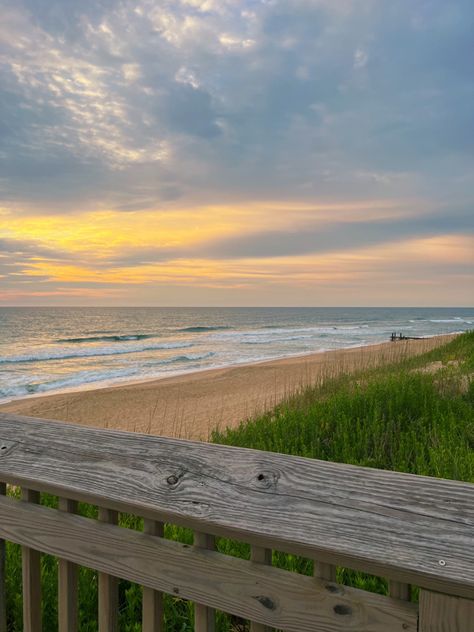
[(63, 348)]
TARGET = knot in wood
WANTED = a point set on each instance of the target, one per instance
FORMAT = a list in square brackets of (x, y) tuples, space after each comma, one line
[(334, 588), (7, 446), (267, 479), (172, 480), (342, 609), (266, 602)]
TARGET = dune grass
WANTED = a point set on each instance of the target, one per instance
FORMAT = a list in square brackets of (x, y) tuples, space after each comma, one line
[(416, 416), (412, 416)]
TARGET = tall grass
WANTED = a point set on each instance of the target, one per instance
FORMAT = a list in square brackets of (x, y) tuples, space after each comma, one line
[(415, 416)]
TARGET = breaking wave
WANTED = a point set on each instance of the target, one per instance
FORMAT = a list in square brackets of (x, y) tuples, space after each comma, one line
[(201, 328), (91, 353)]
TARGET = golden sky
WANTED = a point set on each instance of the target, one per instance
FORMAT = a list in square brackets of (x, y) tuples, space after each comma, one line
[(204, 152), (192, 256)]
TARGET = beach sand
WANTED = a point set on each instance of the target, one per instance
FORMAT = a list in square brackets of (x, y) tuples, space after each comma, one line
[(192, 405)]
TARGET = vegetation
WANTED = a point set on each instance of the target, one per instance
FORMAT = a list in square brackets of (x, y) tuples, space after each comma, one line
[(415, 416)]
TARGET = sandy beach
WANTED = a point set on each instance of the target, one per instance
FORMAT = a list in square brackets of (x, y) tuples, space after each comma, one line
[(192, 405)]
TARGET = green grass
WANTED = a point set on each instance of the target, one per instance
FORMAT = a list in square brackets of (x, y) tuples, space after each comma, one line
[(399, 417), (395, 418)]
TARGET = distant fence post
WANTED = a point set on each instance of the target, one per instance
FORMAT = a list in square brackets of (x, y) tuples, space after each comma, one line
[(445, 613)]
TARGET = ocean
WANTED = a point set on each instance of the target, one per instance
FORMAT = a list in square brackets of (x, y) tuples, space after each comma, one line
[(64, 348)]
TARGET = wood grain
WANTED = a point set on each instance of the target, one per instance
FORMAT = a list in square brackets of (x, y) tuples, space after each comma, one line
[(3, 603), (204, 617), (445, 613), (152, 608), (260, 555), (325, 571), (67, 583), (399, 590), (31, 573), (385, 523), (108, 585), (274, 597)]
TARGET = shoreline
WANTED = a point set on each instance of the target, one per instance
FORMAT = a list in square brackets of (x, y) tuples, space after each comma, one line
[(126, 381), (192, 404)]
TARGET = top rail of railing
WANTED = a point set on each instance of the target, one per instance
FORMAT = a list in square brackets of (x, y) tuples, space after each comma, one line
[(408, 528)]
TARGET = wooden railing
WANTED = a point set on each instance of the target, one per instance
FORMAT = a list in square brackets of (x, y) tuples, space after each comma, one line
[(409, 529)]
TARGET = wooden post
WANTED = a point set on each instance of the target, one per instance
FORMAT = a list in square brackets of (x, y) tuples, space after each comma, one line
[(152, 608), (445, 613), (31, 569), (3, 599), (204, 617), (260, 555), (325, 571), (399, 590), (67, 583), (108, 586)]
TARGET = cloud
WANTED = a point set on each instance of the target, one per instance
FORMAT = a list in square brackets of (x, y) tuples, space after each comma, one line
[(360, 58), (29, 249), (19, 261), (337, 236), (121, 101), (188, 109), (143, 109)]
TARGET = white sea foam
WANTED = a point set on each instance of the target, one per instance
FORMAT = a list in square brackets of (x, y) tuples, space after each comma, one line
[(90, 352), (456, 319), (44, 350), (24, 386)]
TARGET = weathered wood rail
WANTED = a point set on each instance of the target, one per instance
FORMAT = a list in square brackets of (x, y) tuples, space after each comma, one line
[(409, 529)]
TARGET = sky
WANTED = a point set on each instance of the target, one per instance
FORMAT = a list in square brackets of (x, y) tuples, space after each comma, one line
[(224, 152)]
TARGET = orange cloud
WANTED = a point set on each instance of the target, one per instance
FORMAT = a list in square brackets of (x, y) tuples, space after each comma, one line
[(93, 249)]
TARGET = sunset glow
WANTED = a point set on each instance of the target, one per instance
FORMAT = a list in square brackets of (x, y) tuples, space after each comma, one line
[(222, 153)]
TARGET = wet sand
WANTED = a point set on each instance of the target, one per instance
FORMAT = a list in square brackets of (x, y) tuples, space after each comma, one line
[(192, 405)]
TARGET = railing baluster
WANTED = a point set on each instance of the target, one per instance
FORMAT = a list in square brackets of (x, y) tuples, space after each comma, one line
[(262, 556), (444, 613), (3, 605), (204, 617), (67, 583), (322, 570), (108, 586), (399, 590), (152, 599), (31, 570)]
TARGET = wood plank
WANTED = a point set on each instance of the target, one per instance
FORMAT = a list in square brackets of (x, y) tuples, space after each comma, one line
[(153, 613), (3, 597), (68, 612), (325, 571), (204, 617), (445, 613), (31, 574), (260, 555), (399, 590), (268, 595), (108, 585), (390, 524)]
